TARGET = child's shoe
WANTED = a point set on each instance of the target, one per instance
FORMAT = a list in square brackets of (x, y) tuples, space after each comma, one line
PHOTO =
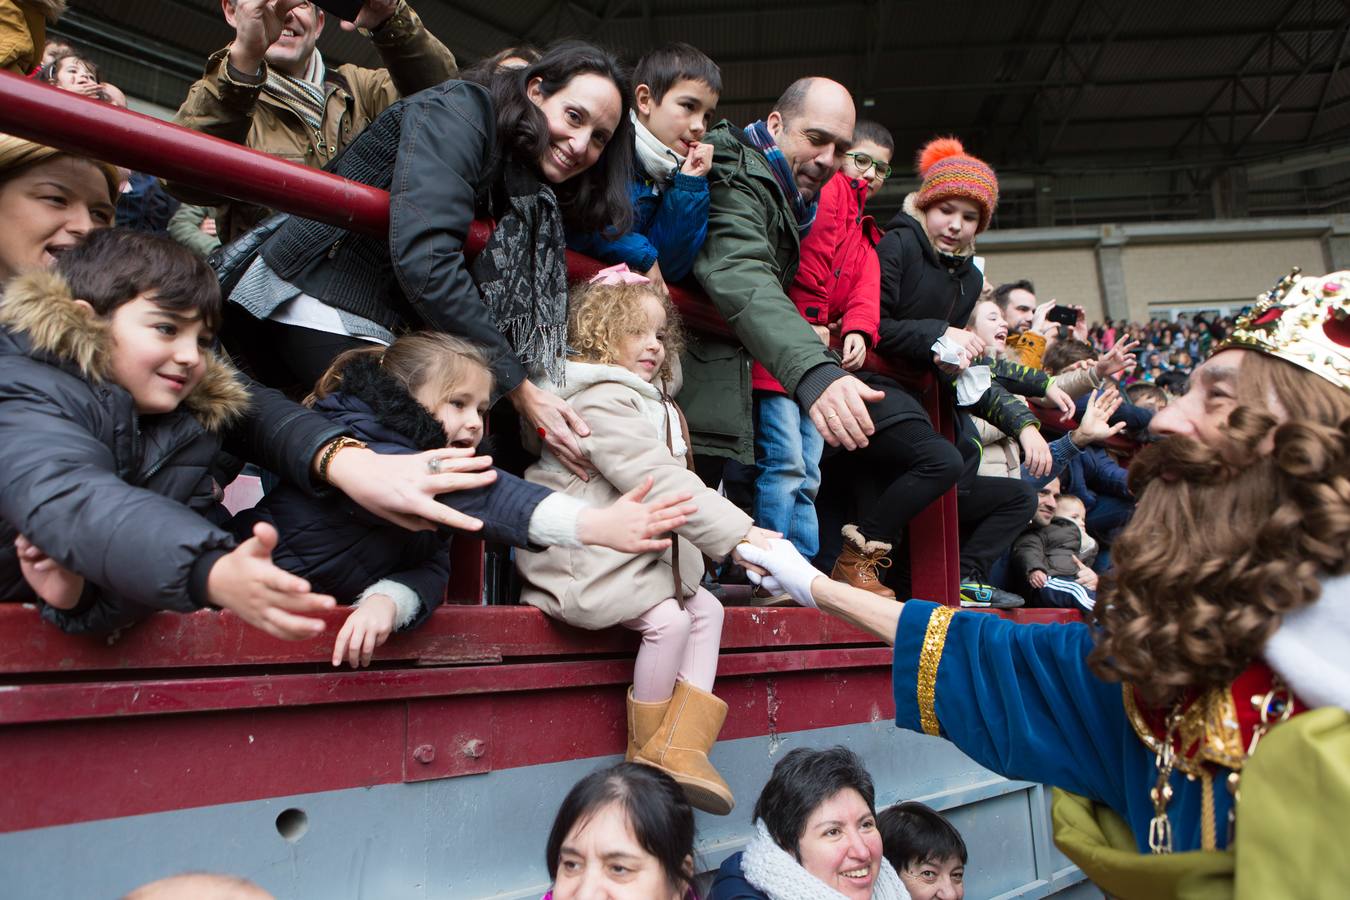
[(643, 721), (978, 595), (859, 560), (681, 744)]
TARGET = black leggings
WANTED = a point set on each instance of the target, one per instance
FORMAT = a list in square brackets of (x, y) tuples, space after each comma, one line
[(912, 465), (287, 357), (992, 512)]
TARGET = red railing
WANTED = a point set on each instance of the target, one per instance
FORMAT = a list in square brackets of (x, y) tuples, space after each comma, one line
[(82, 125)]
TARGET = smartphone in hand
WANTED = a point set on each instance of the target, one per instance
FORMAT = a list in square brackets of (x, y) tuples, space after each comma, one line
[(343, 9), (1063, 315)]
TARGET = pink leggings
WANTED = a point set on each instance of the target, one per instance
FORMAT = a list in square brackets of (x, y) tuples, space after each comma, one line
[(677, 644)]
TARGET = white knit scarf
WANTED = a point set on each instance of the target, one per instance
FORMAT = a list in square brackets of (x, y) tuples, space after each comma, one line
[(774, 871), (655, 158)]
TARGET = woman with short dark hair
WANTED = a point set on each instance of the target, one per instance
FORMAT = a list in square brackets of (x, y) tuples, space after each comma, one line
[(926, 849), (626, 831), (527, 149), (816, 836)]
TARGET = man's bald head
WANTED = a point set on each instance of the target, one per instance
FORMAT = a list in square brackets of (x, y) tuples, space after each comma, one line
[(813, 125), (200, 886)]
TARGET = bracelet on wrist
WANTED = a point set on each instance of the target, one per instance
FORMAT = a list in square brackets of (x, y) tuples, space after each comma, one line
[(332, 450)]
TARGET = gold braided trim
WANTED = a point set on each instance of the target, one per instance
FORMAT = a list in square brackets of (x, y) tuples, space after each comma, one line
[(1209, 837), (934, 640)]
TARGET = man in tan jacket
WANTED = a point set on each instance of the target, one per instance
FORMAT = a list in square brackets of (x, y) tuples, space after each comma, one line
[(270, 89)]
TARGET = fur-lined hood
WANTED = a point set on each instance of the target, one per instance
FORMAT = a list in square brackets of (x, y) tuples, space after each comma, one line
[(39, 306)]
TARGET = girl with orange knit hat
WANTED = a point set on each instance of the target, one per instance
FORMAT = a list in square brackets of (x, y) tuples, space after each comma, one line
[(929, 286)]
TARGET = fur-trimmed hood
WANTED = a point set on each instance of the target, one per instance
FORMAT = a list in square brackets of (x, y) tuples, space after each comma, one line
[(385, 406), (39, 310)]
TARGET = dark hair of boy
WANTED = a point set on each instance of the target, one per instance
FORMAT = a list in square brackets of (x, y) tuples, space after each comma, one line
[(664, 67), (867, 130), (657, 811), (801, 781), (1003, 290), (913, 833), (1062, 354), (114, 266)]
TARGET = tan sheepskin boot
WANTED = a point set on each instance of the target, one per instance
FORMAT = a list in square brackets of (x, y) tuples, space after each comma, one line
[(858, 563), (643, 720), (680, 748)]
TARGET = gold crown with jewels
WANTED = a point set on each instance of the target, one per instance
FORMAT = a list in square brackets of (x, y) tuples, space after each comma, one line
[(1304, 320)]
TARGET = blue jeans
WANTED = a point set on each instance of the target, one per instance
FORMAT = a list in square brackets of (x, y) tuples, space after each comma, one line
[(787, 457)]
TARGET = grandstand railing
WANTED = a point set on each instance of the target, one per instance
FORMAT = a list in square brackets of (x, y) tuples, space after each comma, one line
[(167, 689), (96, 129)]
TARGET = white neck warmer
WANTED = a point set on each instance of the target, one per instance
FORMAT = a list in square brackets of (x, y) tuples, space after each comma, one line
[(774, 871), (658, 161), (1311, 650)]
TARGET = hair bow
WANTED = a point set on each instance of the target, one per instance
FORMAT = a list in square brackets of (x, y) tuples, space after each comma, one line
[(619, 274)]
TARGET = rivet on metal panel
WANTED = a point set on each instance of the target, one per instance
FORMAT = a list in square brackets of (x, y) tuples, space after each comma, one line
[(424, 754), (474, 748)]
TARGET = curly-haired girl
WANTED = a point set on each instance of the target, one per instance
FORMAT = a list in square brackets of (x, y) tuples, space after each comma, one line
[(623, 334)]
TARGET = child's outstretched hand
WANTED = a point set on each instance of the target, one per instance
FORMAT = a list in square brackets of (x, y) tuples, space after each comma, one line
[(1096, 422), (855, 351), (368, 627), (246, 582), (631, 526), (699, 160), (54, 583)]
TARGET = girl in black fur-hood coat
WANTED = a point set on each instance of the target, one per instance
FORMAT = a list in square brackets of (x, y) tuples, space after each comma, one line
[(343, 550)]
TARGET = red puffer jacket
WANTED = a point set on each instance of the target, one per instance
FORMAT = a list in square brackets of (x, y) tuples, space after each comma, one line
[(839, 277)]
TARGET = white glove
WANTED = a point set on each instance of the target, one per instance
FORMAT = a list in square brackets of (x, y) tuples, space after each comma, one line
[(789, 572)]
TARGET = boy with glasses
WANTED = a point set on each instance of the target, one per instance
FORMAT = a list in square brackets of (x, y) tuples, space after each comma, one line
[(837, 289), (869, 159)]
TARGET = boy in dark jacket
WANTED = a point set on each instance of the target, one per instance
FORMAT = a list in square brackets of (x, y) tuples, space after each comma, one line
[(111, 407), (675, 90)]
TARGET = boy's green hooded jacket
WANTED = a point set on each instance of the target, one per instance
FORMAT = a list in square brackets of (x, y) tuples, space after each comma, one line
[(747, 263)]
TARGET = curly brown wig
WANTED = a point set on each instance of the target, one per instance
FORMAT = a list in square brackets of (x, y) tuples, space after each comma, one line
[(600, 316), (1225, 541)]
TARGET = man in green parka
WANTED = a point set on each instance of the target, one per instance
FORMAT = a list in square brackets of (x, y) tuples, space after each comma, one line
[(763, 185)]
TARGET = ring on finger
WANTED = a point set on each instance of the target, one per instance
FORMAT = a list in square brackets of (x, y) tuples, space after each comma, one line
[(434, 466)]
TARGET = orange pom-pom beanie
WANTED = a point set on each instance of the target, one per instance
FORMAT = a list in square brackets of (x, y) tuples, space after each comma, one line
[(948, 170)]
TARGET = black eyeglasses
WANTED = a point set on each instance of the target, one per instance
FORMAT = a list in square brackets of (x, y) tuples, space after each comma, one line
[(865, 162)]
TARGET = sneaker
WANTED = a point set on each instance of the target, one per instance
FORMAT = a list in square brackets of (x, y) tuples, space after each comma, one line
[(978, 595)]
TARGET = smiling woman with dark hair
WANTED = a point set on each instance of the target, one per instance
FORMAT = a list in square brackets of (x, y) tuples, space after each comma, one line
[(529, 150), (817, 836)]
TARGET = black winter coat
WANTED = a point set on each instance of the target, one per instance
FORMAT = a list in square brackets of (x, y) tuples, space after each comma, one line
[(339, 547), (1050, 548), (434, 153), (922, 294), (113, 496)]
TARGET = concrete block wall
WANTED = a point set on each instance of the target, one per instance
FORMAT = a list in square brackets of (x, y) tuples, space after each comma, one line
[(1140, 270), (1068, 275)]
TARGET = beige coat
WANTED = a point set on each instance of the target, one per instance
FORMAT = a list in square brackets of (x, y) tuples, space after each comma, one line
[(594, 587)]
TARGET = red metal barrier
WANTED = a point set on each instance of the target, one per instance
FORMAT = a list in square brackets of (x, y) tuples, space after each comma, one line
[(48, 115)]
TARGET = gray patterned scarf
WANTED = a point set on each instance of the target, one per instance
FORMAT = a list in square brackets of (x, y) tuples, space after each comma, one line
[(522, 274)]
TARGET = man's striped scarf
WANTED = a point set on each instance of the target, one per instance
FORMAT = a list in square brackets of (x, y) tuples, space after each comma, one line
[(303, 96)]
